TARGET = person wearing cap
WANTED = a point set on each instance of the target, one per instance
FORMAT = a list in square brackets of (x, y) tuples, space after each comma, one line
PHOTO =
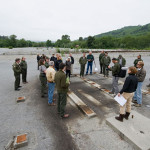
[(47, 62), (121, 61), (23, 65), (50, 75), (100, 61), (62, 88), (141, 74), (68, 67), (115, 72), (43, 79), (137, 60), (17, 72), (90, 59), (82, 61), (72, 62), (38, 60), (106, 61)]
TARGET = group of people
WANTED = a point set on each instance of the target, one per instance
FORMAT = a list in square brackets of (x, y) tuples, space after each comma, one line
[(55, 73), (20, 68)]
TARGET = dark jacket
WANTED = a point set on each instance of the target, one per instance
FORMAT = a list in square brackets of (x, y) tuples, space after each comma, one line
[(141, 75), (130, 84), (72, 60), (46, 64), (68, 65), (57, 64), (16, 69), (53, 59), (115, 69), (106, 60), (60, 80), (123, 61), (90, 58), (136, 61), (100, 57)]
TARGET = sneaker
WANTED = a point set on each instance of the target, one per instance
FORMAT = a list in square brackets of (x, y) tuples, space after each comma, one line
[(19, 86), (137, 105)]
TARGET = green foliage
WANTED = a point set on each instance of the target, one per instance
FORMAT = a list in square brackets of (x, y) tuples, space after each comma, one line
[(48, 43), (57, 50), (10, 47)]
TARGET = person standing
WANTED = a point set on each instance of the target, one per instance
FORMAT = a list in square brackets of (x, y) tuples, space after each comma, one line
[(115, 72), (17, 72), (106, 61), (82, 61), (62, 89), (23, 65), (50, 74), (100, 61), (127, 92), (141, 73), (72, 62), (43, 79), (68, 67), (38, 60), (58, 61), (53, 58), (121, 61), (47, 62), (137, 60), (90, 59)]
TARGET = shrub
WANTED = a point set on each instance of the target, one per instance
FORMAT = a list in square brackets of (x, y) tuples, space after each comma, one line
[(10, 47)]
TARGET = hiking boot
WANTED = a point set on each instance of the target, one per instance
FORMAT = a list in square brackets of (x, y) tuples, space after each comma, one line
[(126, 116), (120, 118)]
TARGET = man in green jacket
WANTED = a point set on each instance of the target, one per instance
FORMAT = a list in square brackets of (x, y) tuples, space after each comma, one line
[(137, 60), (62, 85), (17, 72), (47, 62), (115, 73), (23, 66), (106, 61), (121, 61), (82, 61), (100, 61)]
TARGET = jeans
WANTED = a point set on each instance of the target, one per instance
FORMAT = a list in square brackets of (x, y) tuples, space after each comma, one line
[(51, 87), (138, 93), (89, 65)]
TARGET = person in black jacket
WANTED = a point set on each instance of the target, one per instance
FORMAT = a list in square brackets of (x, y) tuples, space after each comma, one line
[(127, 92), (72, 62), (58, 61)]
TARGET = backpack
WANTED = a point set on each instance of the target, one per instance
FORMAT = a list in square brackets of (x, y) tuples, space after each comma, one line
[(122, 73)]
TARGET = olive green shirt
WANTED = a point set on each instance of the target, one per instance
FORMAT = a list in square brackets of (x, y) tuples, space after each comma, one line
[(60, 80), (83, 60), (115, 69), (100, 57), (16, 69), (106, 60), (23, 65), (46, 64), (136, 61)]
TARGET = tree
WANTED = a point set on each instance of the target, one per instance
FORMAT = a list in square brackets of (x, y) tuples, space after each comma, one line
[(90, 42), (48, 43), (12, 40), (80, 38)]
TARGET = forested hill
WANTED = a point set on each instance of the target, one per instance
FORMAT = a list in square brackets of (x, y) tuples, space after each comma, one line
[(128, 31)]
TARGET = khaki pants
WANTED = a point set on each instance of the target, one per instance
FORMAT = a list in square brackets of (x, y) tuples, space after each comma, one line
[(71, 68), (126, 107)]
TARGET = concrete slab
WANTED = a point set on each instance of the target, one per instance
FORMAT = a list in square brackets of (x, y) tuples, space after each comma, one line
[(136, 130), (81, 105)]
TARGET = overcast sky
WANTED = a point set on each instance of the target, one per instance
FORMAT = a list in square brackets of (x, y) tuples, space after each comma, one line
[(40, 20)]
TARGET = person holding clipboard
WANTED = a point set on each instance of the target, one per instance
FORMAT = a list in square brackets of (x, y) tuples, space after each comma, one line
[(129, 87)]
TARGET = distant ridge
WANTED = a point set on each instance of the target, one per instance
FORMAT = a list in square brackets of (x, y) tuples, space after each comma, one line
[(127, 31)]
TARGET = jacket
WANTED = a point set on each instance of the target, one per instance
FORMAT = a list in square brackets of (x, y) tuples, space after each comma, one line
[(130, 84), (57, 64), (136, 61), (123, 63), (82, 60), (90, 58), (46, 64), (68, 65), (72, 60), (60, 80), (115, 69), (141, 75), (16, 69), (106, 60), (100, 57), (23, 65)]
